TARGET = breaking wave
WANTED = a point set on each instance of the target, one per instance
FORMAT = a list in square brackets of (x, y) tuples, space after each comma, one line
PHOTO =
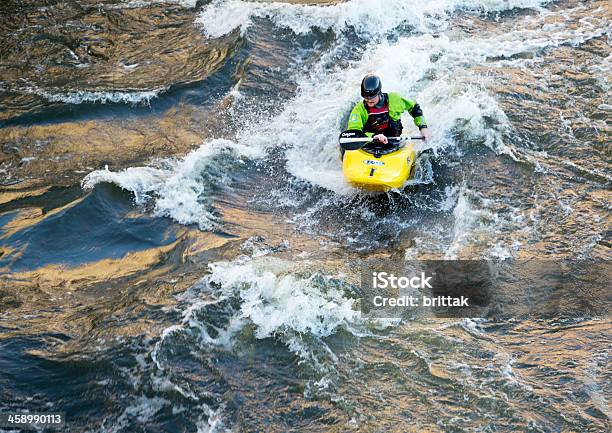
[(367, 17), (264, 297), (180, 189), (99, 97)]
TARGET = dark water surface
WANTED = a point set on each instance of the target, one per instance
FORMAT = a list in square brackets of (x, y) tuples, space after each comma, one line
[(179, 251)]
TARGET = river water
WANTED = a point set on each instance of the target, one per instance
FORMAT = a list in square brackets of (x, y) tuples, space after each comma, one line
[(179, 251)]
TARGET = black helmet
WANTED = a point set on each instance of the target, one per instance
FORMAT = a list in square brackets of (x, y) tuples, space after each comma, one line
[(370, 86)]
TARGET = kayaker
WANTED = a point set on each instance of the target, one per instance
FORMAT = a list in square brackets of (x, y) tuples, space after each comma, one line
[(378, 115)]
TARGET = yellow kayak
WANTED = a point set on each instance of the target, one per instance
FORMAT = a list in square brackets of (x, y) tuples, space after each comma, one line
[(378, 168)]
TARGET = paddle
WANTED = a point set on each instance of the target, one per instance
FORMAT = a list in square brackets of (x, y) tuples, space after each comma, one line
[(358, 143)]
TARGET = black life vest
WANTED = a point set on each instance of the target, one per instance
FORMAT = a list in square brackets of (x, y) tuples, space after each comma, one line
[(379, 121), (378, 117)]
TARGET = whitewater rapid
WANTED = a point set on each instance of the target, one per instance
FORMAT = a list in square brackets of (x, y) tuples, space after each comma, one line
[(210, 279), (440, 71)]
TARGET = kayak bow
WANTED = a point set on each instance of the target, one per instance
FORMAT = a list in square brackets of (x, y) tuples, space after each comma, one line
[(378, 167)]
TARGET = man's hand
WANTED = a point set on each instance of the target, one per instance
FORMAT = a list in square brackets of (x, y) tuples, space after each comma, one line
[(425, 133), (381, 138)]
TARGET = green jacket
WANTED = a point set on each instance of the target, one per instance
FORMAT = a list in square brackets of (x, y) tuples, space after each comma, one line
[(397, 106)]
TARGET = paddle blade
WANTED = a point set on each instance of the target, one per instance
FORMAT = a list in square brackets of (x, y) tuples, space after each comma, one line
[(352, 139), (352, 145)]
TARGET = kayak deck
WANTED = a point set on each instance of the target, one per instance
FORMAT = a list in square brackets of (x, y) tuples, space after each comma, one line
[(378, 171)]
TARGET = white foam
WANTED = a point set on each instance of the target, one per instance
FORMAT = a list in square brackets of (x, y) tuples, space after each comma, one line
[(275, 300), (211, 421), (480, 232), (368, 17), (470, 223), (133, 4), (435, 71), (179, 188), (594, 377), (499, 251), (99, 97), (142, 410), (446, 101), (603, 72), (279, 299)]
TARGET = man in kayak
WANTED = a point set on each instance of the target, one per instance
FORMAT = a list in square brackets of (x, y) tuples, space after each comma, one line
[(378, 115)]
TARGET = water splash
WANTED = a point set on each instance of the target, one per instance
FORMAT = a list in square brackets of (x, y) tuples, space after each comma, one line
[(143, 97), (366, 17), (181, 189)]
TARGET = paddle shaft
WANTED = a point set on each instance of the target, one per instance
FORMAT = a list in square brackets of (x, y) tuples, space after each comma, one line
[(368, 139)]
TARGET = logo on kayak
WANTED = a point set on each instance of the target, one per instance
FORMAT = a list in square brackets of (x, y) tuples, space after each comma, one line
[(372, 162)]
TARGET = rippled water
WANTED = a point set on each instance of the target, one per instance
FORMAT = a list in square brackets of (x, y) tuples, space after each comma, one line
[(180, 252)]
